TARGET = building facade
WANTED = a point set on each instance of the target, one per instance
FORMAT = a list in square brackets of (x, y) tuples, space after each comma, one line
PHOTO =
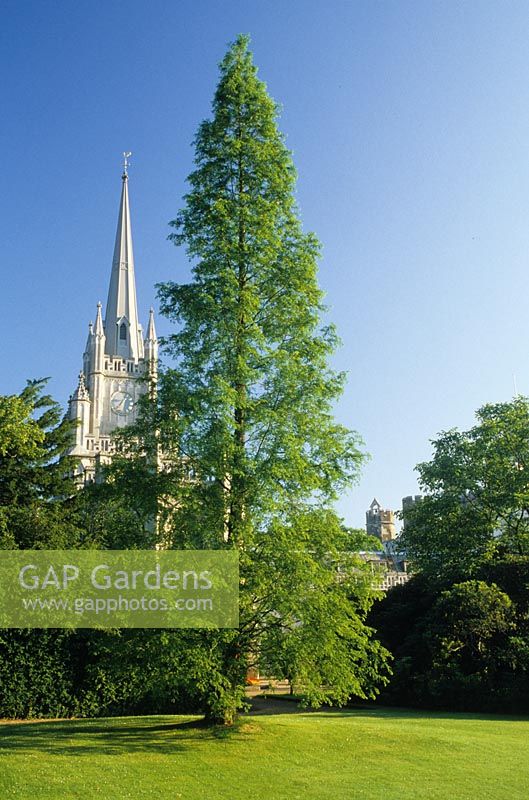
[(119, 362)]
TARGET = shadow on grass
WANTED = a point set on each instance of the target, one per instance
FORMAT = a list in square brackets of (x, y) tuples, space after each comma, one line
[(399, 712), (271, 706), (110, 736), (167, 736)]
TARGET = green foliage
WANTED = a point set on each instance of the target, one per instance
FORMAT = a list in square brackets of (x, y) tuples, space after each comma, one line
[(50, 673), (20, 436), (37, 496), (127, 671), (476, 504), (461, 646), (245, 417), (119, 513), (312, 618), (459, 630), (43, 672), (467, 640), (252, 387), (36, 674), (358, 540), (470, 614)]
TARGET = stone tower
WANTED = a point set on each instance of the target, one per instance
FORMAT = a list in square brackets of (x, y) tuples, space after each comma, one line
[(408, 503), (380, 522), (118, 362)]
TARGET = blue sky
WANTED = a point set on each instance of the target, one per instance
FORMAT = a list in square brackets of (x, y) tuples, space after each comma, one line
[(409, 126)]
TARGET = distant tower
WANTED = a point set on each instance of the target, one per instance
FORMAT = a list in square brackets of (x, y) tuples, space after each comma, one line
[(380, 522), (407, 503), (117, 363)]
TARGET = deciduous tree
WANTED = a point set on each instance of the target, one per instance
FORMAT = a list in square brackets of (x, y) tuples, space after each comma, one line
[(248, 408), (476, 503)]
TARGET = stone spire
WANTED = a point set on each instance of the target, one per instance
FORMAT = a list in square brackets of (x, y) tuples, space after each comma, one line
[(99, 330), (151, 347), (151, 330), (122, 328), (118, 365)]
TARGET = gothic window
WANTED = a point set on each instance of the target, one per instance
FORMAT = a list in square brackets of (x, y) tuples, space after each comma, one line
[(123, 332)]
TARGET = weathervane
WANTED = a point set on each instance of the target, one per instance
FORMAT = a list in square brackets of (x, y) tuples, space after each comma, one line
[(126, 162)]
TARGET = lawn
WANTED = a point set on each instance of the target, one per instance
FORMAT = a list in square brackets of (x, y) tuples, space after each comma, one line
[(366, 754)]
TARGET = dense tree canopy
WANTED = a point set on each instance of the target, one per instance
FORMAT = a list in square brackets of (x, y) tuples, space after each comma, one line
[(37, 495), (459, 629), (476, 503), (459, 646)]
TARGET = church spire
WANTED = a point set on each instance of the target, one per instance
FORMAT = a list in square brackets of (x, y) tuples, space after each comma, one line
[(119, 366), (151, 330), (99, 330), (151, 347), (122, 329)]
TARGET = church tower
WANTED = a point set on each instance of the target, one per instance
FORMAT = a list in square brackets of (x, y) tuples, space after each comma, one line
[(118, 362), (380, 522)]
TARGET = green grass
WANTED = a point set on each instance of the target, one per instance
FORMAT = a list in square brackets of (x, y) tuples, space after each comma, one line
[(365, 754)]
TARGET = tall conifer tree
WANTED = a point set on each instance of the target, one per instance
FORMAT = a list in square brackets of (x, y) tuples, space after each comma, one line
[(252, 395)]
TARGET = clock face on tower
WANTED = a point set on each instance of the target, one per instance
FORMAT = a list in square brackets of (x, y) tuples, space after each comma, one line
[(121, 403)]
